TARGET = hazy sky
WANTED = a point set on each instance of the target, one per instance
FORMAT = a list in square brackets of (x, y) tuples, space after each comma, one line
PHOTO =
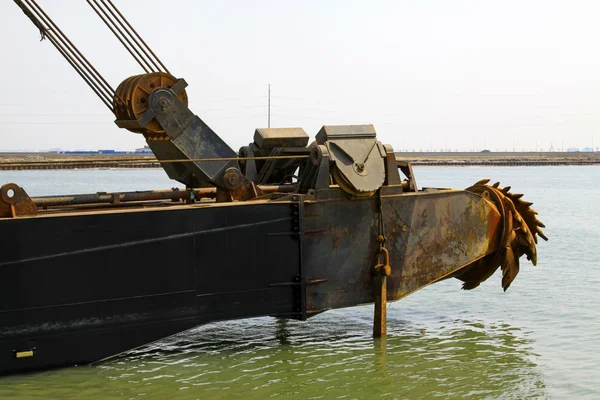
[(428, 74)]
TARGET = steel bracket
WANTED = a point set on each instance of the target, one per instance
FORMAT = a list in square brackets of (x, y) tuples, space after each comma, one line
[(14, 202)]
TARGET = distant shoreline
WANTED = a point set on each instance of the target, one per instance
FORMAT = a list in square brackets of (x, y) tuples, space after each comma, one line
[(48, 161), (499, 159), (36, 161)]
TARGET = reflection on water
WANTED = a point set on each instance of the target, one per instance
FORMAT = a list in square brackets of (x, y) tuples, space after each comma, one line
[(331, 356), (282, 333)]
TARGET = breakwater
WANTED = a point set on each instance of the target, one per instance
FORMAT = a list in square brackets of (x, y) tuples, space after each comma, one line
[(46, 161), (77, 166), (499, 159)]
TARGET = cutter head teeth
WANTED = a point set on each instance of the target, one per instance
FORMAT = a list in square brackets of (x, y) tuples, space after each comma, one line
[(521, 228)]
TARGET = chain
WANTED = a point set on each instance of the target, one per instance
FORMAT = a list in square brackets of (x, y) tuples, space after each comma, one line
[(381, 238)]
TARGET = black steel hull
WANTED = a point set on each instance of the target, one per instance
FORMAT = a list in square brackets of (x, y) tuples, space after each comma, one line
[(83, 287), (79, 287)]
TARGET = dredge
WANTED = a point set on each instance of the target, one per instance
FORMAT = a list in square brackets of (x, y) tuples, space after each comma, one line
[(281, 228)]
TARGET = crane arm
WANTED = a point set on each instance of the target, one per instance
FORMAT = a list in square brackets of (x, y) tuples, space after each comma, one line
[(153, 104)]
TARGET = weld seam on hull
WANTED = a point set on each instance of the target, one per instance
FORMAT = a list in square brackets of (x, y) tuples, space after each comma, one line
[(139, 242), (235, 291), (98, 301)]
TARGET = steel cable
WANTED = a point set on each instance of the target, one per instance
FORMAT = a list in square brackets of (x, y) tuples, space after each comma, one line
[(73, 49), (139, 37), (127, 35), (142, 46), (114, 28), (81, 65), (74, 163), (118, 25)]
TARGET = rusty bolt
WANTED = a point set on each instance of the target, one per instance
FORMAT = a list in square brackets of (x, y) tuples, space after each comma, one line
[(232, 178), (164, 105)]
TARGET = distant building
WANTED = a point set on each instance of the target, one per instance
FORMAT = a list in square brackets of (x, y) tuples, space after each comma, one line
[(573, 150), (144, 150), (90, 152), (587, 150)]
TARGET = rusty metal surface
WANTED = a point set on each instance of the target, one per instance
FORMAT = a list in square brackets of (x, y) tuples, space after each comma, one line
[(132, 99), (429, 236), (520, 228), (410, 183), (446, 231), (381, 271), (122, 197), (380, 309), (357, 157), (118, 198), (270, 138), (15, 202)]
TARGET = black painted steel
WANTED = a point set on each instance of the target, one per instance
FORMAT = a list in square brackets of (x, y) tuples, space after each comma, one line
[(79, 288)]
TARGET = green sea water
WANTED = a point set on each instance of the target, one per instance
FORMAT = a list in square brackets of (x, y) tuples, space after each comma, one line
[(540, 339)]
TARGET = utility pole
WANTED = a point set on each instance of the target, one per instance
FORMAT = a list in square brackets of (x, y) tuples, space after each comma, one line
[(269, 109)]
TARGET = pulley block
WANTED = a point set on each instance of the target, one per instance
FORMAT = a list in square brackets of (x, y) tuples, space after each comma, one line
[(132, 99)]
